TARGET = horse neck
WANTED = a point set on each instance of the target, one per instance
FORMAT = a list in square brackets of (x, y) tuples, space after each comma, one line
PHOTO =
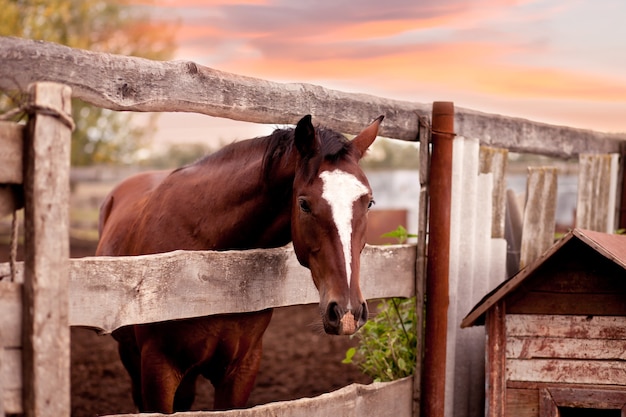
[(256, 211)]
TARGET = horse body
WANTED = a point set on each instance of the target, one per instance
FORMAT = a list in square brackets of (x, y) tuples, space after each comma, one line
[(302, 185)]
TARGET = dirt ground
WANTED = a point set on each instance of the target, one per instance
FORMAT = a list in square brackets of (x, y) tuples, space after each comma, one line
[(299, 360)]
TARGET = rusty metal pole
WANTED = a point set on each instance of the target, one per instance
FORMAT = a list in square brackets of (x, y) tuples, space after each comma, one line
[(437, 270)]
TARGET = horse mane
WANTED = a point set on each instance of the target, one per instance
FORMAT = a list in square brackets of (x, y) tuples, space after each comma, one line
[(334, 146), (278, 144)]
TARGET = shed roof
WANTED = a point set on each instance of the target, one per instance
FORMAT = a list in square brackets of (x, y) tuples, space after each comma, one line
[(611, 246)]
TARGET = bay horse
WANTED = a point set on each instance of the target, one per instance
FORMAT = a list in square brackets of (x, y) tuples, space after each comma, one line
[(303, 185)]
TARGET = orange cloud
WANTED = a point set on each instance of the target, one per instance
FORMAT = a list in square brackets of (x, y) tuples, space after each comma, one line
[(381, 28), (464, 67), (550, 82)]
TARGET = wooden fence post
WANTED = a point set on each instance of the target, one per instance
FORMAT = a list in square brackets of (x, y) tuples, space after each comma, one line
[(494, 160), (539, 213), (597, 192), (436, 327), (422, 258), (46, 341), (621, 214)]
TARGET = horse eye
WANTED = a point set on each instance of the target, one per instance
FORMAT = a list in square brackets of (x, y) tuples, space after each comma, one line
[(371, 204), (304, 205)]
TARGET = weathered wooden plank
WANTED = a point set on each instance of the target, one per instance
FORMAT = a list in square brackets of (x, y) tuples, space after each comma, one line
[(422, 256), (128, 83), (521, 135), (494, 161), (537, 302), (243, 277), (11, 375), (521, 403), (539, 214), (547, 406), (11, 370), (596, 327), (46, 360), (11, 148), (381, 399), (112, 292), (13, 401), (576, 278), (565, 348), (588, 398), (11, 314), (567, 371), (10, 347), (495, 403), (109, 292), (597, 192)]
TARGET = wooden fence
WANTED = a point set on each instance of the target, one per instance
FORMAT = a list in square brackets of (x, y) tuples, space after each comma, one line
[(56, 292)]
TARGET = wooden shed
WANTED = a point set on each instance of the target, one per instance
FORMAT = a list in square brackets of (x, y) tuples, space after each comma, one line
[(556, 332)]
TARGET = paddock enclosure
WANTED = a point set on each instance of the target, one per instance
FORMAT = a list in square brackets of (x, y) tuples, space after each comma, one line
[(470, 230)]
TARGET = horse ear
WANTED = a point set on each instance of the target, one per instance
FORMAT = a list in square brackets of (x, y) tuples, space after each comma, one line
[(364, 139), (306, 140)]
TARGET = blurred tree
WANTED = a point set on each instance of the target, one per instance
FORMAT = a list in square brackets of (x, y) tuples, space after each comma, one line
[(176, 155), (115, 26)]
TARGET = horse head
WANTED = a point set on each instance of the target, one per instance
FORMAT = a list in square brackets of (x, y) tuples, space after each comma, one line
[(331, 199)]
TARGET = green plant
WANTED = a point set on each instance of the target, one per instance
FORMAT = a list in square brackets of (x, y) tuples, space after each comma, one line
[(388, 342), (400, 233)]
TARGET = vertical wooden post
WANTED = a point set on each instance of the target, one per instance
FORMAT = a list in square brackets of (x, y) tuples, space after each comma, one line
[(494, 160), (539, 213), (46, 341), (621, 214), (421, 259), (495, 365), (597, 192), (437, 271)]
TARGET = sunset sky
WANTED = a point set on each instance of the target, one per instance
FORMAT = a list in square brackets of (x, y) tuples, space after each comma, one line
[(556, 61)]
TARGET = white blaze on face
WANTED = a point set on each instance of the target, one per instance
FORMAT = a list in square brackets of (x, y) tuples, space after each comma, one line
[(341, 190)]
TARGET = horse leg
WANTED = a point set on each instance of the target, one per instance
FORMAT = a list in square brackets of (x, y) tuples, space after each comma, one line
[(233, 390), (131, 359), (186, 392), (159, 380)]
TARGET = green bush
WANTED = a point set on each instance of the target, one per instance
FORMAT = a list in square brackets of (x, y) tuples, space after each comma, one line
[(388, 342)]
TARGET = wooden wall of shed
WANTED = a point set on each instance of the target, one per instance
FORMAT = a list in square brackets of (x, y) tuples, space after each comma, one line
[(573, 288), (565, 351)]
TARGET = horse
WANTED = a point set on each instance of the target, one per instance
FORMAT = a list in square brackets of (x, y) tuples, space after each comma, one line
[(301, 185)]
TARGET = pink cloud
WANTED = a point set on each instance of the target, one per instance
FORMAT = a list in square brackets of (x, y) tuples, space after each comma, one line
[(498, 48)]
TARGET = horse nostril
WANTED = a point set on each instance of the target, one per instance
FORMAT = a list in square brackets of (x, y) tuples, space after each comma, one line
[(334, 313), (362, 314)]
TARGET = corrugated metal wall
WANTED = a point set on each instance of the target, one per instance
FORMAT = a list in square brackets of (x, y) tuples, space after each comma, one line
[(477, 263), (478, 250)]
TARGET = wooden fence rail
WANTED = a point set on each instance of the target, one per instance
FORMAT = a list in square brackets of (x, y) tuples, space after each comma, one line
[(109, 292), (134, 84), (380, 399)]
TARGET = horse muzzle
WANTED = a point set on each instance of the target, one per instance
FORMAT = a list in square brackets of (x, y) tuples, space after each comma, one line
[(341, 321)]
